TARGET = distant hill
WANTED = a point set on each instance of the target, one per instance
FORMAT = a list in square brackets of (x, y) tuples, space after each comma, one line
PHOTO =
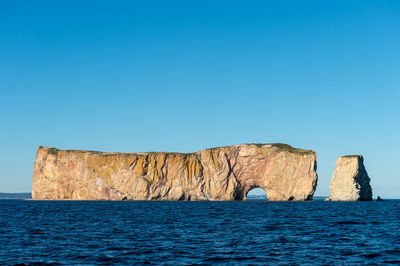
[(251, 197), (320, 197), (15, 195)]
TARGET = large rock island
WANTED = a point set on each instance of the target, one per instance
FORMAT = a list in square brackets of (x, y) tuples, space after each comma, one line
[(350, 180), (225, 173)]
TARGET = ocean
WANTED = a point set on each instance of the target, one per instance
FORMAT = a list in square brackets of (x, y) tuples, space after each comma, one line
[(204, 233)]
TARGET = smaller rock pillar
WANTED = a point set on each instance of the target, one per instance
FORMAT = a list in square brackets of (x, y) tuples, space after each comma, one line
[(350, 181)]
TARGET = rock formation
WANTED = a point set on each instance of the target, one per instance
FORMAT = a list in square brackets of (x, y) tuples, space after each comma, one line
[(225, 173), (350, 181)]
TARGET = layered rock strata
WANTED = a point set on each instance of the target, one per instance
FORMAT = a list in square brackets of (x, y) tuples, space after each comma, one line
[(225, 173), (350, 181)]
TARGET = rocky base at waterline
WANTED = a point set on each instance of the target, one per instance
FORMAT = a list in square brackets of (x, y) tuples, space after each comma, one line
[(225, 173), (350, 181)]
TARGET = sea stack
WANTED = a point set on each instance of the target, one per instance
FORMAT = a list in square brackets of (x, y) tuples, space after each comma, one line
[(350, 181), (224, 173)]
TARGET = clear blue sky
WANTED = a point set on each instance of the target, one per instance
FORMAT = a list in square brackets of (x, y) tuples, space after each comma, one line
[(133, 76)]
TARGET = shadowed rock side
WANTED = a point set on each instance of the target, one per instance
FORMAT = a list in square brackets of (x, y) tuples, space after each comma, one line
[(225, 173), (350, 181)]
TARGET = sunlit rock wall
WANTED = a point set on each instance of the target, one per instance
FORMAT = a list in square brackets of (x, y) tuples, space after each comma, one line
[(350, 181), (225, 173)]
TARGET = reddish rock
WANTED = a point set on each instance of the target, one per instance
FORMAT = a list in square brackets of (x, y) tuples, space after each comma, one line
[(225, 173)]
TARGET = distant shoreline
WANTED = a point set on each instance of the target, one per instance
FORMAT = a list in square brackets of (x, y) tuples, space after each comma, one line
[(28, 196), (21, 195)]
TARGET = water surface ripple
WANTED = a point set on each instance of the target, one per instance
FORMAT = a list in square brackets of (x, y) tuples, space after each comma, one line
[(252, 232)]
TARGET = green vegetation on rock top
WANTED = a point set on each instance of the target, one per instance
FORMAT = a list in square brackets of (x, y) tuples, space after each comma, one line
[(281, 146), (287, 147), (352, 156), (55, 151), (52, 151)]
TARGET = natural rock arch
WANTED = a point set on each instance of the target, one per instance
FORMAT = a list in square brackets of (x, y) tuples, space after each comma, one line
[(225, 173), (246, 194)]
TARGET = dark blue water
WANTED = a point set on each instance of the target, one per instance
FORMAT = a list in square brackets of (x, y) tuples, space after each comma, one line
[(70, 232)]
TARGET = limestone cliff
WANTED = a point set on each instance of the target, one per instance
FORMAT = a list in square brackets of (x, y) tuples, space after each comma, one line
[(350, 181), (225, 173)]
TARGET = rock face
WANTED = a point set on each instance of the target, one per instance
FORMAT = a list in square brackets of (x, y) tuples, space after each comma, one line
[(350, 181), (225, 173)]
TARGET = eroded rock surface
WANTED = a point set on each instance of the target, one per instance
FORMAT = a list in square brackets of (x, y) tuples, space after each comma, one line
[(350, 181), (225, 173)]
